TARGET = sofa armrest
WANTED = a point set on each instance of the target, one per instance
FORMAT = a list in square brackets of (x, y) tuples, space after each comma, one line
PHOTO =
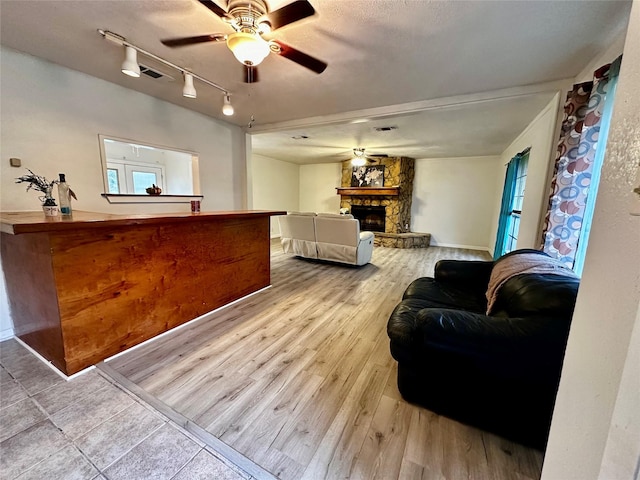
[(364, 236), (537, 341), (365, 248), (464, 274)]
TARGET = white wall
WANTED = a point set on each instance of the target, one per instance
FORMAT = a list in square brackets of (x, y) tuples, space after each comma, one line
[(621, 457), (607, 309), (541, 136), (454, 200), (318, 184), (51, 117), (608, 56), (275, 186), (6, 325), (179, 173)]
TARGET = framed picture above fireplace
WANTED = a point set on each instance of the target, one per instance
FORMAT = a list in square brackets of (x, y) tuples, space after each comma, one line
[(371, 176)]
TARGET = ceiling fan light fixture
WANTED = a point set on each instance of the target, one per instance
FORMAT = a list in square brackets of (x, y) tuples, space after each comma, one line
[(250, 49), (130, 65), (264, 28), (227, 108), (188, 90), (359, 158)]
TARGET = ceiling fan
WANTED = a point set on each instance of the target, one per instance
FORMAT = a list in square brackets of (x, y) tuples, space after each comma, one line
[(251, 20), (360, 158)]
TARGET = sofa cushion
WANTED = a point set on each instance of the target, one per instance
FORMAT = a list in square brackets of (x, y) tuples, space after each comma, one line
[(346, 216), (445, 295), (537, 294), (298, 235), (337, 230), (518, 263), (306, 214)]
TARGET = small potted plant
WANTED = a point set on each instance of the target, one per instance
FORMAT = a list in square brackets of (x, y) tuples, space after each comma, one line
[(41, 184)]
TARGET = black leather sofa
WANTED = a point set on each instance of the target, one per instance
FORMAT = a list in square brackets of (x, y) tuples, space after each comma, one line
[(498, 372)]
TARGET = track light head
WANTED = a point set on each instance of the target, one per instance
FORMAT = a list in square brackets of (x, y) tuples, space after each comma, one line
[(130, 65), (227, 108), (188, 90)]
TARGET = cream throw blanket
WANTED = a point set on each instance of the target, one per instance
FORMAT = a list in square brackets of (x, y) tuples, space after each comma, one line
[(518, 264)]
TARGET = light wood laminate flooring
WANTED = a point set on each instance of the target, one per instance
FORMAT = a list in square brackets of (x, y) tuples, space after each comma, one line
[(299, 379)]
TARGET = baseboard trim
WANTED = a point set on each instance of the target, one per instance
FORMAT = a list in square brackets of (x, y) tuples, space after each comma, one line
[(457, 245), (168, 332), (6, 334)]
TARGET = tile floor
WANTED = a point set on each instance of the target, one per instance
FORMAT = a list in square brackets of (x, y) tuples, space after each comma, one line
[(90, 428)]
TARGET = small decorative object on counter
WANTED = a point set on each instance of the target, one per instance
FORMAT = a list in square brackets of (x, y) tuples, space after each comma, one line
[(154, 190), (49, 206), (41, 184), (65, 193), (195, 206)]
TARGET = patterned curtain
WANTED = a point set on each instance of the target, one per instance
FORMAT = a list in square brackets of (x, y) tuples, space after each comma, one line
[(574, 167)]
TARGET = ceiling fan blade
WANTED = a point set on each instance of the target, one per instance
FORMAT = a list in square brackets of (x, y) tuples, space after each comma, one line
[(299, 57), (219, 11), (251, 74), (288, 14), (184, 41)]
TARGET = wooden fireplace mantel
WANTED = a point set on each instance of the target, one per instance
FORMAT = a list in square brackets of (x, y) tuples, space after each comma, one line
[(368, 191)]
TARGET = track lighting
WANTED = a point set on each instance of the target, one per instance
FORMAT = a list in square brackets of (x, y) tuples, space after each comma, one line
[(130, 65), (188, 90), (227, 108)]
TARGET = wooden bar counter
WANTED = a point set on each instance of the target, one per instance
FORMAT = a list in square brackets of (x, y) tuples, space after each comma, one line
[(82, 289)]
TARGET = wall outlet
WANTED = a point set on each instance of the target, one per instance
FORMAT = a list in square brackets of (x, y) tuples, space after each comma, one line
[(15, 162)]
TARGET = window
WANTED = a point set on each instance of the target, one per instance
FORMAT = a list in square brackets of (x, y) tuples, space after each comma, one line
[(133, 178), (114, 180), (516, 208), (511, 207)]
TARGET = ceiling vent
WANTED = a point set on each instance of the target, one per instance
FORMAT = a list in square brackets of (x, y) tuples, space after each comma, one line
[(384, 129), (155, 74)]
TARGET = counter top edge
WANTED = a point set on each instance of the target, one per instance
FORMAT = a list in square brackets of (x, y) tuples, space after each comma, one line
[(16, 223)]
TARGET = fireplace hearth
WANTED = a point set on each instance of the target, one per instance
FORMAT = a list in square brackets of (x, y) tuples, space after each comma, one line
[(372, 219)]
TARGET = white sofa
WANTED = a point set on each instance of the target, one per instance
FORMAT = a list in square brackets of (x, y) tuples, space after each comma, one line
[(326, 236)]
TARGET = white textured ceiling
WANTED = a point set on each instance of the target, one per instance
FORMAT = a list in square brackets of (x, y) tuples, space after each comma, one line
[(380, 53)]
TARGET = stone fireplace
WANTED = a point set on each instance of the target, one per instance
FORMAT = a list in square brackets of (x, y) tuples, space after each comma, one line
[(392, 199)]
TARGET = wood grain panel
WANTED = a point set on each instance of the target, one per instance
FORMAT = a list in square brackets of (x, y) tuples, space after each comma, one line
[(92, 286), (119, 287), (26, 263)]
